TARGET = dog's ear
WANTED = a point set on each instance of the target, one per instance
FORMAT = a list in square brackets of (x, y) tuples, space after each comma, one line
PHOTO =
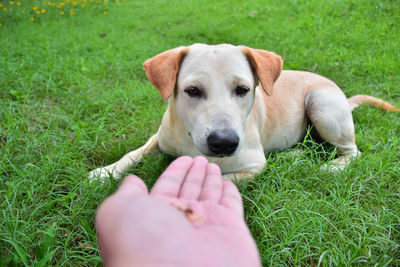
[(267, 66), (162, 70)]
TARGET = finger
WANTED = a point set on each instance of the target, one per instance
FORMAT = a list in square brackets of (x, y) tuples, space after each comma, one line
[(212, 187), (170, 181), (231, 198), (133, 185), (191, 187)]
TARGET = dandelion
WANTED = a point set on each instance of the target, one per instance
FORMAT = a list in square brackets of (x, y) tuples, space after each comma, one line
[(5, 9), (82, 6), (105, 12), (62, 12), (1, 5), (1, 24), (43, 10), (18, 3), (74, 3), (35, 7), (32, 18), (11, 2), (72, 12), (38, 12)]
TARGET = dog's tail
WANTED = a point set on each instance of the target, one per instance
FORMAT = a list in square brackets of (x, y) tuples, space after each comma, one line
[(357, 100)]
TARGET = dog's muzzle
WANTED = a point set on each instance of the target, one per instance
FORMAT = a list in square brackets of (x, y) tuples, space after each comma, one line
[(223, 142)]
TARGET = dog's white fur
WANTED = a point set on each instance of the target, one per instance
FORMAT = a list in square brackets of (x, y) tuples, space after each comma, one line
[(273, 115)]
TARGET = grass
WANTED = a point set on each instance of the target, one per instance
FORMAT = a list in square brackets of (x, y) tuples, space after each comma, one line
[(74, 96)]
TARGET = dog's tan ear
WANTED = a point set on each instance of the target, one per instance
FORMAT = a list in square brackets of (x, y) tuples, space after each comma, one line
[(267, 65), (162, 70)]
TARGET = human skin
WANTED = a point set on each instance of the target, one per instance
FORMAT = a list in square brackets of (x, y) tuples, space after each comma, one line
[(190, 218)]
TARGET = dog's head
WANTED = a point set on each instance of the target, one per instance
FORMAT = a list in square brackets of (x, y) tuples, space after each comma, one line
[(213, 89)]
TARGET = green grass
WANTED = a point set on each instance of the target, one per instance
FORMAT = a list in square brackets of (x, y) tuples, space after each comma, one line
[(71, 101)]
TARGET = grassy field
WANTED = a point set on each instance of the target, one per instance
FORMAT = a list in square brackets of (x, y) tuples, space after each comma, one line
[(74, 96)]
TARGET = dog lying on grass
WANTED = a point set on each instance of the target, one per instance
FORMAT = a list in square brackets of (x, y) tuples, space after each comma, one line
[(233, 104)]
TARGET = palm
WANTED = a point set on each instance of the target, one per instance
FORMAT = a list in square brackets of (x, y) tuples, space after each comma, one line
[(205, 215)]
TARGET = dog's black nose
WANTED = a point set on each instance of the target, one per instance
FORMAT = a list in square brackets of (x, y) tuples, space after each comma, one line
[(223, 142)]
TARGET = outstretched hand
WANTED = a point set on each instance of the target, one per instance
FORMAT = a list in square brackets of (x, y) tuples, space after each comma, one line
[(190, 218)]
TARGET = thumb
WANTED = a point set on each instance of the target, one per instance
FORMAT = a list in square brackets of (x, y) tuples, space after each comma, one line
[(132, 185)]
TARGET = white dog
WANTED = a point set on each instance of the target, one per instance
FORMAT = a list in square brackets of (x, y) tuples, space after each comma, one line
[(233, 104)]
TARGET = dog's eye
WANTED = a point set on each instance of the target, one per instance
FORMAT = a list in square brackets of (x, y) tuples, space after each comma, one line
[(193, 91), (241, 90)]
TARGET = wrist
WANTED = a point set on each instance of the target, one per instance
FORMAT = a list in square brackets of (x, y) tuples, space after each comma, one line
[(129, 262)]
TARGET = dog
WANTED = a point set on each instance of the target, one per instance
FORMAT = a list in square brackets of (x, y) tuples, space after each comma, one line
[(233, 104)]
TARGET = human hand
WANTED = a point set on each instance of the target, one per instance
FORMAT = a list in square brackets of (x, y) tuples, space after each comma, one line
[(190, 218)]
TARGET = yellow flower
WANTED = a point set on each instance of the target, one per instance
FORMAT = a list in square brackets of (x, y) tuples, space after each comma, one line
[(38, 12), (35, 7), (105, 12), (18, 3), (5, 9), (62, 13), (1, 5), (72, 13), (32, 18), (74, 3), (68, 1), (11, 2), (82, 5), (1, 24), (43, 10)]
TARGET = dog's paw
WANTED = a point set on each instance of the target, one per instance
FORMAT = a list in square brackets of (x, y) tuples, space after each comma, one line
[(340, 163), (100, 174), (238, 176), (293, 153), (334, 166)]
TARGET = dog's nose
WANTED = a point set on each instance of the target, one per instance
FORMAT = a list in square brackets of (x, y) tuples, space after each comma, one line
[(223, 142)]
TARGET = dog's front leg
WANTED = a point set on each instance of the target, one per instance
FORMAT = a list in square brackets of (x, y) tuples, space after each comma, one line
[(128, 161)]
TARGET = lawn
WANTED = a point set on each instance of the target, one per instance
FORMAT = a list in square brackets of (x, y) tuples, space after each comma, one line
[(74, 96)]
